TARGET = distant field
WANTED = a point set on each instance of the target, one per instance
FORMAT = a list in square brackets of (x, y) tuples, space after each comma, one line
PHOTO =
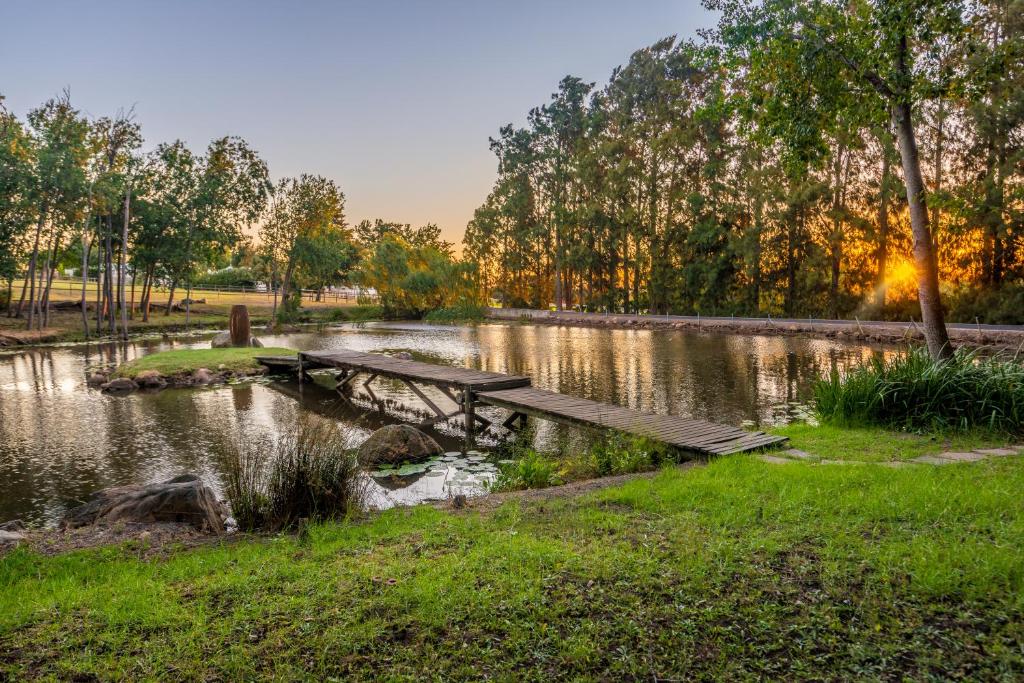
[(65, 290)]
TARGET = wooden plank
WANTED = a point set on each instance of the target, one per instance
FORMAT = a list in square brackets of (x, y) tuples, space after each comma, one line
[(687, 433)]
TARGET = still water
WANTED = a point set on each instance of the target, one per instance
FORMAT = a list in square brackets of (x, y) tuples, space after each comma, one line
[(60, 440)]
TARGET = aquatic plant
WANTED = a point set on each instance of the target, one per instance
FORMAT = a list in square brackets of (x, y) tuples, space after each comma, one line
[(307, 473), (913, 392)]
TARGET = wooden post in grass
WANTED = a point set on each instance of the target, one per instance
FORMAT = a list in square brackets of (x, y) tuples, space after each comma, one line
[(241, 332)]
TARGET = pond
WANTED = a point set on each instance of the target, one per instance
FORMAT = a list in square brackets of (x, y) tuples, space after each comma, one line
[(60, 440)]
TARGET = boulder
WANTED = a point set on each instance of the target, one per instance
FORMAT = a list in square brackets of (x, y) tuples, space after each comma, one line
[(10, 537), (223, 341), (151, 379), (13, 525), (403, 355), (96, 379), (183, 499), (120, 384), (397, 443), (202, 376)]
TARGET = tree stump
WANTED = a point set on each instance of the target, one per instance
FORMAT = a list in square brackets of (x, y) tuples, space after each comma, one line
[(239, 326)]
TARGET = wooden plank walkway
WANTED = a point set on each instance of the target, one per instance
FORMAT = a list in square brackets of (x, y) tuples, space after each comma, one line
[(686, 433), (514, 393), (423, 373)]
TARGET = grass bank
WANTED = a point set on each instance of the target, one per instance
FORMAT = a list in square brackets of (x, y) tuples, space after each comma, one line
[(185, 361), (740, 569)]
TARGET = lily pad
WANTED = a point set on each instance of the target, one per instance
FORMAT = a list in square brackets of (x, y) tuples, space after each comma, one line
[(406, 470)]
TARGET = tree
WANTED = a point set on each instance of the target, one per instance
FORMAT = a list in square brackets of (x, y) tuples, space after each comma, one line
[(880, 50)]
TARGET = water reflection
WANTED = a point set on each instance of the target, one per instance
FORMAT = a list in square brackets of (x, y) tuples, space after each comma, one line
[(60, 441)]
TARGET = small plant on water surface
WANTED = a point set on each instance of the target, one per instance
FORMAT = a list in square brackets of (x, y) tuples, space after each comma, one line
[(911, 391), (308, 473)]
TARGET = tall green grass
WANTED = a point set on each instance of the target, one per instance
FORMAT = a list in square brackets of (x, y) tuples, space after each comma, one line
[(911, 391), (305, 474)]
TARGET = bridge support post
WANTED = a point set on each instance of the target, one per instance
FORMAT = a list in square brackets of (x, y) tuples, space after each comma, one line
[(467, 408)]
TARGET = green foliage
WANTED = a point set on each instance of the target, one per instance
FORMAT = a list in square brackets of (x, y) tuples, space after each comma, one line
[(1002, 305), (465, 312), (307, 474), (228, 277), (412, 279), (911, 391), (530, 470)]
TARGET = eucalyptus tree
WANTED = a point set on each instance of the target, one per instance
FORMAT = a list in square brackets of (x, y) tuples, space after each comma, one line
[(16, 209), (881, 49), (305, 228), (57, 186)]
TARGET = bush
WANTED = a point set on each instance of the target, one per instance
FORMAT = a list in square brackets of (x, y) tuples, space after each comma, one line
[(911, 391), (531, 471), (458, 313), (305, 474), (229, 277), (1001, 306)]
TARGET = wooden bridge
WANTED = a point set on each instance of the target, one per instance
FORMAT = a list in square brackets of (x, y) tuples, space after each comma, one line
[(469, 388)]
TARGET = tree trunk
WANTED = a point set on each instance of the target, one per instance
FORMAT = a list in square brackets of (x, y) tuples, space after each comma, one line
[(932, 316), (122, 265), (32, 267), (86, 249), (170, 297)]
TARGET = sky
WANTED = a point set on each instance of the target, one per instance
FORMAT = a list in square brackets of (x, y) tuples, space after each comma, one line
[(395, 101)]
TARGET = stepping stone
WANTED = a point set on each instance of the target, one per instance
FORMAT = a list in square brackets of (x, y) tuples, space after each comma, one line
[(932, 460), (962, 457), (896, 464), (798, 454), (997, 451), (775, 460), (843, 462)]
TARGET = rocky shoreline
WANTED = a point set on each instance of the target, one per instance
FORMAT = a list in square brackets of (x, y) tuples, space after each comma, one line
[(152, 380), (895, 333)]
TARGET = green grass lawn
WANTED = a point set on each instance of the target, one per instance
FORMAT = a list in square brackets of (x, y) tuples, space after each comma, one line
[(877, 444), (737, 570), (185, 361)]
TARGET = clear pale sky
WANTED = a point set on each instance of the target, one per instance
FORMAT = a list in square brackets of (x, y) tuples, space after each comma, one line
[(393, 100)]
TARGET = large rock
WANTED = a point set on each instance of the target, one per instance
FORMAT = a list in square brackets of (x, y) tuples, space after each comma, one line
[(223, 341), (397, 443), (120, 385), (182, 499), (151, 379)]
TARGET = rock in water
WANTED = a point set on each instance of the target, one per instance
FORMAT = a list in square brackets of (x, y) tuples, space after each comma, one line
[(397, 443), (182, 499), (151, 379), (223, 341), (121, 384), (239, 326)]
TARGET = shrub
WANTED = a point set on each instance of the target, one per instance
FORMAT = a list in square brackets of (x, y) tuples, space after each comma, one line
[(531, 471), (911, 391), (305, 474), (997, 306), (229, 277), (458, 313)]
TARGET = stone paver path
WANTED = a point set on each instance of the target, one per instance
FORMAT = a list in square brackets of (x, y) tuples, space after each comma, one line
[(946, 458)]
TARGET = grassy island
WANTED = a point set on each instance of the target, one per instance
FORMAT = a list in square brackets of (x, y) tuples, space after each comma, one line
[(185, 361)]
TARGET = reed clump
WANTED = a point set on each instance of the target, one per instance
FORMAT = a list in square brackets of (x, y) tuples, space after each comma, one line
[(306, 474), (913, 392)]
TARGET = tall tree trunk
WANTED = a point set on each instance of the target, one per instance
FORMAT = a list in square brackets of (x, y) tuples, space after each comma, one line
[(170, 297), (932, 316), (32, 266), (122, 265), (86, 249)]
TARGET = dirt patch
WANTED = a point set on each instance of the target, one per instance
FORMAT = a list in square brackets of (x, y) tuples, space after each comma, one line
[(150, 538), (492, 501)]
